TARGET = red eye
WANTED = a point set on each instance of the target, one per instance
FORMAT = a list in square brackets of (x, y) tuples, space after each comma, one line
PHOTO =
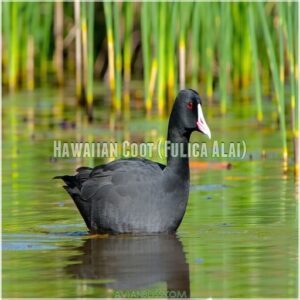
[(190, 105)]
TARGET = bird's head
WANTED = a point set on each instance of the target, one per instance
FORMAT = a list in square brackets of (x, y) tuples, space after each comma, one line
[(187, 111)]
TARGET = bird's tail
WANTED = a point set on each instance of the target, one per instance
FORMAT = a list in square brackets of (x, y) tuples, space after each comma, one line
[(73, 187)]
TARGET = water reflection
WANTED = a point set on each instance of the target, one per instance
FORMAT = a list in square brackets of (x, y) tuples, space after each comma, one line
[(134, 263)]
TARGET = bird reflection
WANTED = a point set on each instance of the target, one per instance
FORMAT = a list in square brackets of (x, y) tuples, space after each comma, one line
[(134, 263)]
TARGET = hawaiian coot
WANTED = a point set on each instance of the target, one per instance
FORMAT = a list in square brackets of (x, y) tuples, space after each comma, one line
[(137, 195)]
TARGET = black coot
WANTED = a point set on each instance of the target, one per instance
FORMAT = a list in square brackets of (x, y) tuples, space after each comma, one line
[(138, 195)]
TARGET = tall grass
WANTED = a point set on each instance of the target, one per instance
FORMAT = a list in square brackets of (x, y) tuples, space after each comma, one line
[(195, 45), (241, 46), (29, 44), (90, 60), (154, 39), (6, 20), (47, 17), (14, 46), (277, 80), (171, 52), (78, 50), (286, 13), (224, 53), (255, 63), (59, 41), (111, 51), (207, 46), (297, 106), (162, 57), (118, 54), (185, 9), (216, 48), (145, 38), (128, 37)]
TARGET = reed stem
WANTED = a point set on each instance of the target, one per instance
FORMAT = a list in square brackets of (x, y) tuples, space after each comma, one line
[(14, 49), (59, 41), (5, 41), (145, 32), (162, 58), (145, 28), (118, 55), (278, 84), (182, 45), (171, 56), (129, 10), (84, 39), (46, 25), (207, 45), (90, 61), (111, 51), (255, 62), (78, 51), (151, 88), (195, 45), (224, 55)]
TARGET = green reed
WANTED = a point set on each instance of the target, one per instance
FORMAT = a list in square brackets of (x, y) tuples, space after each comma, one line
[(5, 41), (288, 28), (84, 40), (127, 57), (78, 51), (224, 50), (13, 46), (145, 38), (154, 38), (211, 47), (118, 54), (277, 81), (31, 44), (207, 45), (26, 21), (255, 63), (171, 52), (185, 13), (90, 59), (111, 51), (291, 38), (47, 18), (241, 46), (162, 57), (246, 59), (59, 41), (195, 45)]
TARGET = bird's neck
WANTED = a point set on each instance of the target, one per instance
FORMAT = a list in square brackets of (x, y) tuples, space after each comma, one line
[(177, 151)]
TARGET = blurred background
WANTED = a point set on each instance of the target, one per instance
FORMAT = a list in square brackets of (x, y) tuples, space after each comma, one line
[(93, 71)]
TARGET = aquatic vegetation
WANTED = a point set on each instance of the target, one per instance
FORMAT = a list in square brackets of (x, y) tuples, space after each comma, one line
[(256, 63), (127, 57), (221, 49)]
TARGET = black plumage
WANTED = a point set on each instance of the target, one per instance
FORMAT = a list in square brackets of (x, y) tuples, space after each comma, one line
[(137, 195)]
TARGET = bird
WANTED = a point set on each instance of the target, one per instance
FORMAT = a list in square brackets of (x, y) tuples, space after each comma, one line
[(137, 195)]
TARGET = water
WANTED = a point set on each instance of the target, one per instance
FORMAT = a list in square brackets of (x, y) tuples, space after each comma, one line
[(238, 237)]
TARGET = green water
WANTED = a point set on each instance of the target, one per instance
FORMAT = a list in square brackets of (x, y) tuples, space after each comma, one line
[(238, 237)]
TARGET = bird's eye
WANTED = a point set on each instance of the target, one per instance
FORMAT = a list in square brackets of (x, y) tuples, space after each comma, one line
[(190, 105)]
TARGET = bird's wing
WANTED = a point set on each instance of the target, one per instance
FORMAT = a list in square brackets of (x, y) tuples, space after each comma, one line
[(122, 174), (127, 165)]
